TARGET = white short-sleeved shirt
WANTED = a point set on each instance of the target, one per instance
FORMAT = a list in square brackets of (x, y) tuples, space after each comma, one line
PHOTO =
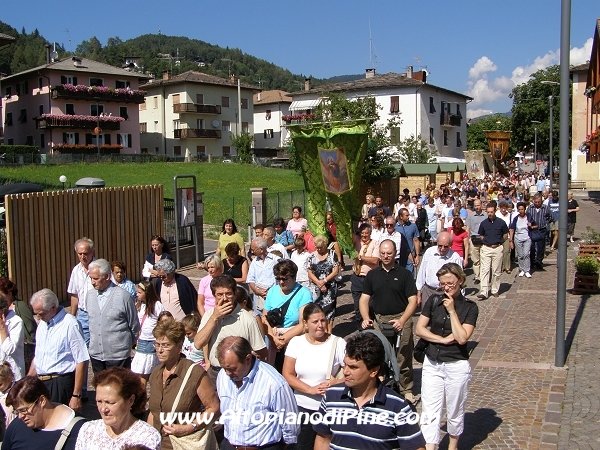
[(80, 283), (311, 365)]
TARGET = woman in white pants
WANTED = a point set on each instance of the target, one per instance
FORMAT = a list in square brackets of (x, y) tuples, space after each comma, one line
[(446, 369)]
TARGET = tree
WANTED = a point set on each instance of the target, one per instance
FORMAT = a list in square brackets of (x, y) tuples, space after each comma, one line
[(415, 150), (476, 139), (531, 102), (243, 144)]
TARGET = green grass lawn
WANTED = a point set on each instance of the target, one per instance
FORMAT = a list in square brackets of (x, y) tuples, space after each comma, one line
[(226, 187)]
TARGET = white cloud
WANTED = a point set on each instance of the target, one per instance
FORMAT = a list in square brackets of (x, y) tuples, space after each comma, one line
[(486, 90), (581, 55)]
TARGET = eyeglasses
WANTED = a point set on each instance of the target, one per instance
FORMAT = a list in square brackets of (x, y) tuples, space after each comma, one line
[(447, 285), (25, 411), (280, 279), (443, 246), (163, 346), (163, 277), (389, 225)]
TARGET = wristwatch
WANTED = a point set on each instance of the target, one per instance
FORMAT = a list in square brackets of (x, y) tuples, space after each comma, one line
[(76, 396), (194, 425)]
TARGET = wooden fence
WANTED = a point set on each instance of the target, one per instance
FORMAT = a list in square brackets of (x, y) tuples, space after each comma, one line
[(41, 229)]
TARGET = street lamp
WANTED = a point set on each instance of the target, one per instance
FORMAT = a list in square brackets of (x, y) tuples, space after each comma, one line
[(63, 180), (551, 100), (537, 122)]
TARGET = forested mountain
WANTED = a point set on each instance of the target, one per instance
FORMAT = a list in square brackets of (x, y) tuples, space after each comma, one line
[(159, 53)]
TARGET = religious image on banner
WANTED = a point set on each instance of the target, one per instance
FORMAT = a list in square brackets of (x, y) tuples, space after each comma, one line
[(335, 170), (474, 163)]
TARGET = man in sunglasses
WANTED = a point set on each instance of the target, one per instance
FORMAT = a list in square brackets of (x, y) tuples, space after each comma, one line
[(433, 259)]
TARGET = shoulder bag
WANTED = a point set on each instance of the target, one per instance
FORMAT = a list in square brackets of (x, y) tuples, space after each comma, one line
[(421, 346), (203, 438), (64, 434), (276, 316), (340, 374)]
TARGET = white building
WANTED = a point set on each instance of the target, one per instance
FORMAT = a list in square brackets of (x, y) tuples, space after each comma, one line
[(194, 114), (269, 108), (435, 113)]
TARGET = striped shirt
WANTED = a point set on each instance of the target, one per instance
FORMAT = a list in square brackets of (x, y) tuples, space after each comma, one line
[(263, 391), (542, 216), (384, 422)]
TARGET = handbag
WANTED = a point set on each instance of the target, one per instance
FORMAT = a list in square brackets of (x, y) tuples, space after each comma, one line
[(340, 374), (204, 438), (537, 234), (64, 435), (276, 316), (421, 346)]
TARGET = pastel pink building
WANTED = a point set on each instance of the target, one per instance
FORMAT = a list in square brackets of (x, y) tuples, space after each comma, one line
[(73, 105)]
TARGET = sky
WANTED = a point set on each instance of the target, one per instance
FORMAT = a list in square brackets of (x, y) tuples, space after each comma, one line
[(481, 48)]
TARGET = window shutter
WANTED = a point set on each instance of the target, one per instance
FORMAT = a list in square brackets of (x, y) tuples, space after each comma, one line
[(63, 79), (118, 138), (76, 138), (395, 104), (64, 138), (128, 141), (107, 139), (88, 138), (75, 81)]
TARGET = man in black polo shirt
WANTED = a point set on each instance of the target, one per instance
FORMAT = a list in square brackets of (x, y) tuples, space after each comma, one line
[(392, 293), (494, 232)]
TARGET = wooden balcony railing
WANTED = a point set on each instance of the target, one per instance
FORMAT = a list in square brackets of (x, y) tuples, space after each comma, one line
[(186, 133), (196, 108)]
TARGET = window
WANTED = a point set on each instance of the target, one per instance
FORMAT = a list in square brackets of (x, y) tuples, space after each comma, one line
[(23, 116), (26, 91), (395, 104), (458, 140), (29, 140), (268, 134), (68, 80), (40, 83), (11, 141), (155, 102), (176, 125), (96, 82), (431, 106), (143, 106), (92, 139), (200, 99), (445, 138), (156, 125), (41, 109), (144, 150), (8, 91), (18, 86), (245, 127), (458, 111), (143, 127), (123, 112), (42, 140), (156, 150), (176, 99), (69, 138), (225, 102), (124, 139), (395, 135), (431, 139), (200, 124), (268, 114), (177, 150), (70, 109), (226, 151), (244, 102), (8, 119), (201, 150), (226, 125), (122, 84), (96, 110)]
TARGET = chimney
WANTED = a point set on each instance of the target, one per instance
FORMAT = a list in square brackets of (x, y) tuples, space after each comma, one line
[(409, 72), (166, 75), (369, 73), (232, 78), (421, 75), (259, 96), (48, 54), (307, 84)]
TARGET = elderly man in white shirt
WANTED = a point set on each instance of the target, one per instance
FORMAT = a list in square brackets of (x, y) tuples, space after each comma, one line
[(434, 258), (60, 354)]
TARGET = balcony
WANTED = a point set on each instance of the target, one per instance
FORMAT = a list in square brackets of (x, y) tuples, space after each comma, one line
[(97, 93), (195, 108), (84, 122), (186, 133), (450, 120)]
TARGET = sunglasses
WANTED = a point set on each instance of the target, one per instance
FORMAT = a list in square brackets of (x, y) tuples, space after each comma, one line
[(280, 279)]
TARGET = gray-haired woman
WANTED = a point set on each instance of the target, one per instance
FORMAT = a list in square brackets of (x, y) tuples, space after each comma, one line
[(177, 293)]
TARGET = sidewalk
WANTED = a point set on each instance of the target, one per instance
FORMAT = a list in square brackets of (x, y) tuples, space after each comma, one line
[(517, 398)]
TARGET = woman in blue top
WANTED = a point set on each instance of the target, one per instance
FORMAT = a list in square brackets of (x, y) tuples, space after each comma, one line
[(286, 289)]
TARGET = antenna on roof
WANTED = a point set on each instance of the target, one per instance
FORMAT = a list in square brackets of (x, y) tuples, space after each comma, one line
[(69, 35), (373, 59)]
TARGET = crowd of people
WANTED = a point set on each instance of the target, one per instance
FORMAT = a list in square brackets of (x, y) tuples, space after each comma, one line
[(256, 335)]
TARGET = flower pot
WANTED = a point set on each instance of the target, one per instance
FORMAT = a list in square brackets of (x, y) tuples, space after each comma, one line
[(589, 249), (585, 284)]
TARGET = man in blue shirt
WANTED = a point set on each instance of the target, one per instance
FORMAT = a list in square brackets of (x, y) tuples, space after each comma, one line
[(494, 232), (411, 232), (365, 414)]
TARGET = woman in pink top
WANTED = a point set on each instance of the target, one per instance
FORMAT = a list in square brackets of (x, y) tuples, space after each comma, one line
[(297, 222), (460, 240), (214, 266)]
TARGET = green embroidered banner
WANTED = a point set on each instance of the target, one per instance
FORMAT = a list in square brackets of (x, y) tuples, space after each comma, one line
[(331, 158)]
